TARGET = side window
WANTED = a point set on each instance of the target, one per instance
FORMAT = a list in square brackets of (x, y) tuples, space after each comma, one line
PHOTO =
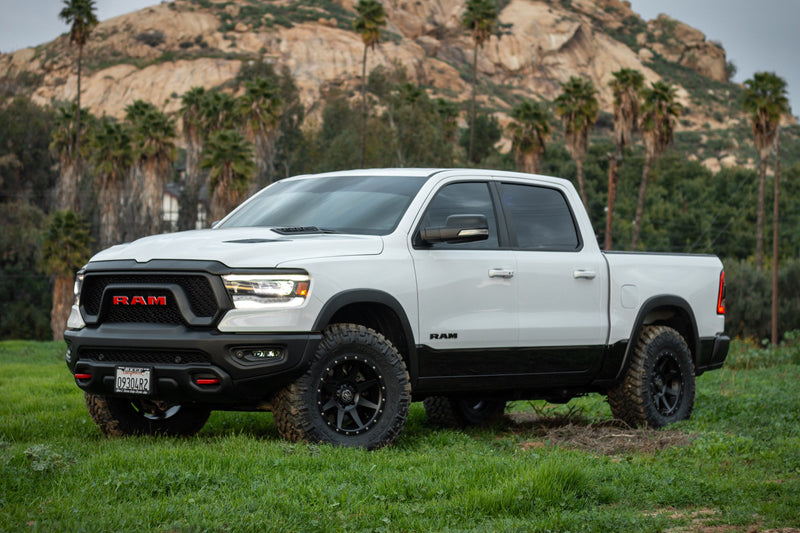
[(539, 217), (469, 198)]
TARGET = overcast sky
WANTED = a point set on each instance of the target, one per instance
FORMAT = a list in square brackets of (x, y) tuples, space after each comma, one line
[(758, 35)]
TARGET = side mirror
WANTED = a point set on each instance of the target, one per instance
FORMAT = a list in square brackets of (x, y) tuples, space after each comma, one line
[(457, 229)]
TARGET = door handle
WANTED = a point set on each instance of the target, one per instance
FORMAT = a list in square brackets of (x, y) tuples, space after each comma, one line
[(501, 273), (585, 274)]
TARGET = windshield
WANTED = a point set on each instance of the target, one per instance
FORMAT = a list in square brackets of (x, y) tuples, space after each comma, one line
[(367, 205)]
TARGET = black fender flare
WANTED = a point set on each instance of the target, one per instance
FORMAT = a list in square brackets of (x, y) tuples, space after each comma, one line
[(654, 302), (372, 296)]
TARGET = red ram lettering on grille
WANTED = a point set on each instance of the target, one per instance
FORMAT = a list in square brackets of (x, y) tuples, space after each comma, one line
[(139, 300)]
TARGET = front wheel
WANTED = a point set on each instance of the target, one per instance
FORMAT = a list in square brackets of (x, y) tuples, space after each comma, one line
[(658, 387), (356, 393), (117, 417)]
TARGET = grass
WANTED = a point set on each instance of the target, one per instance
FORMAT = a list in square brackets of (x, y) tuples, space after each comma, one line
[(548, 468)]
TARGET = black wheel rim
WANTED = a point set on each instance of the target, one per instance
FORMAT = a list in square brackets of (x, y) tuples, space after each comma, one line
[(666, 385), (351, 395), (475, 406), (155, 411)]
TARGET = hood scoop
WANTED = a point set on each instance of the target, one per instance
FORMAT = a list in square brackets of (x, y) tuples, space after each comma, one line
[(254, 241), (301, 230)]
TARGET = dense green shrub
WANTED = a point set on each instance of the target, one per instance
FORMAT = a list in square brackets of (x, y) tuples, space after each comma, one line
[(749, 299)]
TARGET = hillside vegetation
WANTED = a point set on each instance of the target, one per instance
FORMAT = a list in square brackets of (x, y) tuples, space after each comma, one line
[(297, 65)]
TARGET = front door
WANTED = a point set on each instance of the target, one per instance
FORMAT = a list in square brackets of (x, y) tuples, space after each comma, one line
[(468, 291)]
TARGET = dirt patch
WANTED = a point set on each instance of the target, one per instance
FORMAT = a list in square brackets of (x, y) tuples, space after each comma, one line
[(611, 437)]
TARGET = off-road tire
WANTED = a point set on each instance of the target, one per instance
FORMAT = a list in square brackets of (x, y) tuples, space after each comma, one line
[(659, 386), (356, 392), (455, 413), (119, 417)]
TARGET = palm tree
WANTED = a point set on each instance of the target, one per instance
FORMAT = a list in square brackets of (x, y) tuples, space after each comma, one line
[(577, 106), (80, 15), (192, 121), (261, 108), (627, 88), (65, 249), (111, 158), (229, 158), (218, 111), (775, 232), (529, 133), (480, 18), (765, 100), (63, 147), (659, 112), (371, 18), (448, 114), (153, 135)]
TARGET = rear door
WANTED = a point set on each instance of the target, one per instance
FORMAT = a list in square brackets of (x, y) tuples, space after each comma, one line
[(562, 281)]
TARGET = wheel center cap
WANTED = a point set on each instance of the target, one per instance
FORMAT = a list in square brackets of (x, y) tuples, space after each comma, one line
[(346, 394)]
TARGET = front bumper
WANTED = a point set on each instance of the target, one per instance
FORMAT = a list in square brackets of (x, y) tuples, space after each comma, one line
[(224, 363)]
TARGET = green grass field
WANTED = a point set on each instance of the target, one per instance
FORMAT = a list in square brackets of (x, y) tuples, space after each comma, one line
[(546, 468)]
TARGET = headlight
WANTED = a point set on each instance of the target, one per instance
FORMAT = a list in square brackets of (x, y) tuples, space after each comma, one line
[(76, 290), (254, 291)]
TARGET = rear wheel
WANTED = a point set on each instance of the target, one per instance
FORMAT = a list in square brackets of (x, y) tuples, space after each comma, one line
[(454, 412), (659, 386), (356, 392), (117, 417)]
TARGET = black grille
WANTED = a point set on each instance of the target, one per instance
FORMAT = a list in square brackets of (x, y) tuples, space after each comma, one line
[(141, 310), (196, 287), (164, 357)]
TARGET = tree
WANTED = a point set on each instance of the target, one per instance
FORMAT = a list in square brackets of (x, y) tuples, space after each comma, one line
[(192, 121), (229, 158), (775, 233), (659, 112), (577, 106), (26, 164), (63, 147), (480, 18), (153, 135), (65, 250), (765, 101), (25, 294), (529, 130), (487, 132), (627, 88), (80, 14), (261, 107), (448, 114), (218, 112), (111, 158), (371, 18)]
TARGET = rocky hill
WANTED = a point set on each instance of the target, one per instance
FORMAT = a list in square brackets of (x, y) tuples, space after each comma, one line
[(158, 53)]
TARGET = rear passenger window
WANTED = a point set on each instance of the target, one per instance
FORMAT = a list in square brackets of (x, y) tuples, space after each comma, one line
[(539, 218)]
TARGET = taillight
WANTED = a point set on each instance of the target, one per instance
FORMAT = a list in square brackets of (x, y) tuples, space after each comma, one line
[(721, 294)]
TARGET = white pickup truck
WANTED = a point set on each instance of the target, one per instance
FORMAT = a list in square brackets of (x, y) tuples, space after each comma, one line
[(335, 300)]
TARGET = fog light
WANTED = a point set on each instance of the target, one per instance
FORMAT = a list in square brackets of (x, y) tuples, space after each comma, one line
[(259, 354)]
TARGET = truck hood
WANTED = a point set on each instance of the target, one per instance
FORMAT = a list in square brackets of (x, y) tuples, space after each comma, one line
[(242, 247)]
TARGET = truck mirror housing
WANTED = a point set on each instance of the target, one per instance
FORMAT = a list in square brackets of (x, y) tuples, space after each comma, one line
[(457, 229)]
